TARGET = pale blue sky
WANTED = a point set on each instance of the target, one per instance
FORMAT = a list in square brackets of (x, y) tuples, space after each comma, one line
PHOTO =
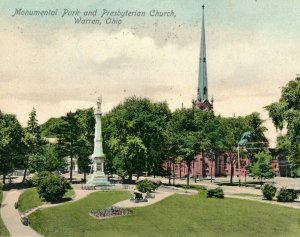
[(253, 49)]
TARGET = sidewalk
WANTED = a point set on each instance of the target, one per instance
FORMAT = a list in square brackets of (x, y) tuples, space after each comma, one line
[(11, 216)]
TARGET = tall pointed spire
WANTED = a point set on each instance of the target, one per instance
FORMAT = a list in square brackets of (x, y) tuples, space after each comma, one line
[(202, 77), (202, 101)]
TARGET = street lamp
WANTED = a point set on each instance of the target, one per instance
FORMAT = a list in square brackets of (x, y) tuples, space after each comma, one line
[(212, 157), (242, 142)]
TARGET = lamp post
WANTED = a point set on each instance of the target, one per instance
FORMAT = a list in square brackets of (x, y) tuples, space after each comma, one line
[(212, 157), (242, 142), (239, 163)]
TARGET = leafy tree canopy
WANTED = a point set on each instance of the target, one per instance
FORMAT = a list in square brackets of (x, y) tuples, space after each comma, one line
[(11, 143), (286, 113)]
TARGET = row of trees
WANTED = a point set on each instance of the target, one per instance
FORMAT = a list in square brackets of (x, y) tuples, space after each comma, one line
[(27, 148), (140, 136), (144, 136)]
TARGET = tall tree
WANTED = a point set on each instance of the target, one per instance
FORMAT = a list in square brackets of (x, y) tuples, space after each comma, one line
[(11, 143), (47, 160), (261, 167), (192, 133), (75, 133), (231, 131), (68, 139), (33, 140), (137, 125), (286, 114), (86, 124)]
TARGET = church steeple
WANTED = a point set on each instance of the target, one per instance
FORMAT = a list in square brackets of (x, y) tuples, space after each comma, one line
[(202, 77), (202, 101)]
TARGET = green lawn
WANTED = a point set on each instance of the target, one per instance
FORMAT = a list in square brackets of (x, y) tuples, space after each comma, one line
[(246, 195), (178, 215), (3, 230), (30, 199)]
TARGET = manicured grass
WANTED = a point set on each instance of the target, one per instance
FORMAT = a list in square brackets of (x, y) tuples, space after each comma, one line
[(178, 215), (30, 199), (69, 194), (3, 230), (246, 194), (195, 187)]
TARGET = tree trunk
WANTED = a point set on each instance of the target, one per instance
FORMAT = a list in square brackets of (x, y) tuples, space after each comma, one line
[(84, 177), (180, 166), (231, 172), (211, 168), (188, 177), (203, 165), (195, 178), (169, 169), (130, 178), (25, 173), (3, 178), (173, 172), (231, 168), (71, 169)]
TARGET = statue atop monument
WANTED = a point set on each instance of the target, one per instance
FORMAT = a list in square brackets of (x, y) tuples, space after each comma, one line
[(99, 102)]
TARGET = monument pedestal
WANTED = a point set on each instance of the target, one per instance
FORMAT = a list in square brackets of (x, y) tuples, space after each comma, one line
[(98, 178)]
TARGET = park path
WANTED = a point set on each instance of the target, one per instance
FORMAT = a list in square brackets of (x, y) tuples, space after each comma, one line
[(11, 216)]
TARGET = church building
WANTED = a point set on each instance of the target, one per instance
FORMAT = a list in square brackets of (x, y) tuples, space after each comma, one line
[(221, 165)]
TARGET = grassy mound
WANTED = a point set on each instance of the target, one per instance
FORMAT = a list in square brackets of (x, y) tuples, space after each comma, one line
[(178, 215), (30, 199)]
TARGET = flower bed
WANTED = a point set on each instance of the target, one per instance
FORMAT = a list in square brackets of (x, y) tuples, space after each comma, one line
[(109, 212)]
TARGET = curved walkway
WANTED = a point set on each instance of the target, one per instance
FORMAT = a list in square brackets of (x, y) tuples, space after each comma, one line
[(11, 216)]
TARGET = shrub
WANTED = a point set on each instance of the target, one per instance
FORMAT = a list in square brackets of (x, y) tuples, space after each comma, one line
[(217, 193), (52, 188), (38, 177), (286, 195), (269, 191), (146, 185)]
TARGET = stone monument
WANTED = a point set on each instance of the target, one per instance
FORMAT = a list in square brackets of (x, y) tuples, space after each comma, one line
[(97, 177)]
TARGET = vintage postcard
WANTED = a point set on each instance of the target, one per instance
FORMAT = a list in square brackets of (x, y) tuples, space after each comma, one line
[(232, 57)]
